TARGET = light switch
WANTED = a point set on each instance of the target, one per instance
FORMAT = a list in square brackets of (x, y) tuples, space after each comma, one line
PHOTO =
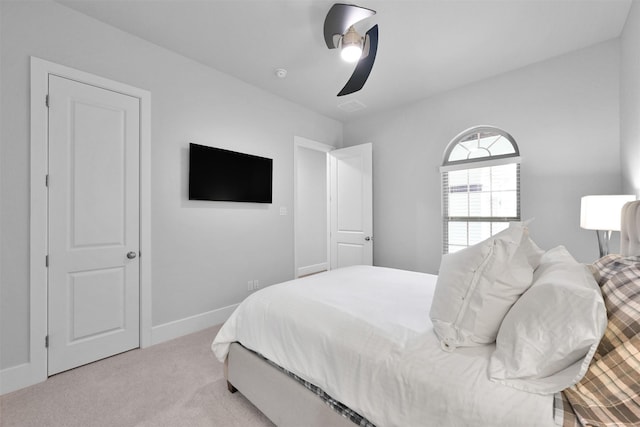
[(283, 210)]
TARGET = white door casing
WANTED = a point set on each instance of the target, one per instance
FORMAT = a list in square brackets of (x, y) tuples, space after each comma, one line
[(351, 241), (93, 183)]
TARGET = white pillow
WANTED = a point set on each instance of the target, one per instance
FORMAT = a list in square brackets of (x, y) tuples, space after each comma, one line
[(550, 260), (477, 285), (547, 339)]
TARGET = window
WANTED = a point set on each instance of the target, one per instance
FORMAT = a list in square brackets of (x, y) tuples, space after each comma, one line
[(480, 186)]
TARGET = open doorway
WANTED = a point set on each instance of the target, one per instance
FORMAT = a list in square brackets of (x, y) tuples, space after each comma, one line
[(333, 209), (311, 206)]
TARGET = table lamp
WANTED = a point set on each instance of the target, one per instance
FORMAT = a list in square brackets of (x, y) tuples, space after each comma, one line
[(602, 213)]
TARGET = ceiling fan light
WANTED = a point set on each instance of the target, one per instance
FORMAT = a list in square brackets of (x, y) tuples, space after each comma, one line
[(351, 53), (351, 45)]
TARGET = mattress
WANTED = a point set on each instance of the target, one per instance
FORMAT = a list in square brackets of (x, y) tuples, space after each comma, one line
[(363, 335)]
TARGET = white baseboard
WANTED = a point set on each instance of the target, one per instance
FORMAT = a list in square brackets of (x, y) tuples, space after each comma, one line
[(178, 328), (17, 377), (312, 269)]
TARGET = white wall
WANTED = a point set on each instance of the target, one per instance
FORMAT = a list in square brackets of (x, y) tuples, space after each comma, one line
[(203, 252), (563, 113), (630, 102)]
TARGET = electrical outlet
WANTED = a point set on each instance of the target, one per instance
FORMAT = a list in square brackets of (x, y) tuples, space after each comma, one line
[(256, 284)]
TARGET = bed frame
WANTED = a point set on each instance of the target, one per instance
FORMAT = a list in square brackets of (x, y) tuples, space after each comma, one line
[(288, 403), (281, 398)]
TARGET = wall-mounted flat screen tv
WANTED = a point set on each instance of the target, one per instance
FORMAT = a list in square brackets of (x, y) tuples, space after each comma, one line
[(223, 175)]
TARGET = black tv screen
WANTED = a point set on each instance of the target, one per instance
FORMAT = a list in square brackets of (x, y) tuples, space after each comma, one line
[(223, 175)]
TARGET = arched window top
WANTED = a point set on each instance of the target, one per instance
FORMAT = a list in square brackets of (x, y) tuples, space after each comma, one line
[(480, 143)]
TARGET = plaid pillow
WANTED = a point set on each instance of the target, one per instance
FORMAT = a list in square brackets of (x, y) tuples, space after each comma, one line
[(607, 266)]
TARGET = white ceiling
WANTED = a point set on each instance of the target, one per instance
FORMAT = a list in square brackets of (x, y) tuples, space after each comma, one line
[(425, 47)]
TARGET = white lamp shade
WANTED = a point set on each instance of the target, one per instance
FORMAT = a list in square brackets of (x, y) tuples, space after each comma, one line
[(602, 212)]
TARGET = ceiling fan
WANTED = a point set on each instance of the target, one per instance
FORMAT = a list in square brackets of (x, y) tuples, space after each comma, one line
[(339, 32)]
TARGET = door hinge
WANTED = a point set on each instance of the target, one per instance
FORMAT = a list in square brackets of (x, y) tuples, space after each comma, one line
[(46, 180), (46, 100), (46, 260), (46, 341)]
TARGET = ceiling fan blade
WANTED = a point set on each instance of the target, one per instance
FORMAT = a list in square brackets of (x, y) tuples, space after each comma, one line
[(340, 17), (365, 64)]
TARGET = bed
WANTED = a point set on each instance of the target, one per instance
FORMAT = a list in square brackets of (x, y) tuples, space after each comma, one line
[(375, 346)]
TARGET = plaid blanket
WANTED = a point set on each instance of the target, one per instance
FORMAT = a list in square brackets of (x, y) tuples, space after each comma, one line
[(563, 413), (609, 393)]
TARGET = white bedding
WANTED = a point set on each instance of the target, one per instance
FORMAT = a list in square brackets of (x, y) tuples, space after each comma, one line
[(364, 336)]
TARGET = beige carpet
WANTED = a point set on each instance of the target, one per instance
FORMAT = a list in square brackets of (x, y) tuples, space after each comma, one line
[(177, 383)]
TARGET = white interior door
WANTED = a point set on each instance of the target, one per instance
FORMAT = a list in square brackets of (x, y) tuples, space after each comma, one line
[(351, 238), (93, 184)]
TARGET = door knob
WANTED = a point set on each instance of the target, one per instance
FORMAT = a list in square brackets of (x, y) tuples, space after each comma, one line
[(131, 255), (367, 238)]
